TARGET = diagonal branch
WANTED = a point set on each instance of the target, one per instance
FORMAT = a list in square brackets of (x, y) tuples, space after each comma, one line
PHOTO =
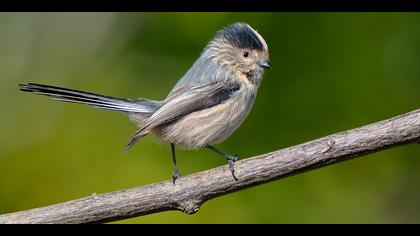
[(190, 192)]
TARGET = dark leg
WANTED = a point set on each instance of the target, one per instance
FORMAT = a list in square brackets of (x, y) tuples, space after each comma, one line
[(176, 174), (231, 159)]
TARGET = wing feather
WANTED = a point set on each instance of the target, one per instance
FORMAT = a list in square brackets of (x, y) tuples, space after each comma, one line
[(184, 102)]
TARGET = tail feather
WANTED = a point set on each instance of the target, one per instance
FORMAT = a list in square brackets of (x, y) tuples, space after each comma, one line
[(92, 99), (137, 110)]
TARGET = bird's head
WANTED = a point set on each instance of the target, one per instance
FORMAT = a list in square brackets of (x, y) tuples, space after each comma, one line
[(240, 49)]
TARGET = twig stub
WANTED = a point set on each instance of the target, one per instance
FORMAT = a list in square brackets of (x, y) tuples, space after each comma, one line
[(190, 192)]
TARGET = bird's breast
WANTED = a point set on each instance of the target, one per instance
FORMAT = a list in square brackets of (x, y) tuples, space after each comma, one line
[(211, 125)]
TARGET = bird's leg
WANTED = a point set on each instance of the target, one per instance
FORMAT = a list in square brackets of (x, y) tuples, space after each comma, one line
[(231, 159), (176, 174)]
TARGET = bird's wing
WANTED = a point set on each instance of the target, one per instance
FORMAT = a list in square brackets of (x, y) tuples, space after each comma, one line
[(185, 101)]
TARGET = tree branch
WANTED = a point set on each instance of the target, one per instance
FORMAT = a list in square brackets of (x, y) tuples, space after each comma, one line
[(190, 192)]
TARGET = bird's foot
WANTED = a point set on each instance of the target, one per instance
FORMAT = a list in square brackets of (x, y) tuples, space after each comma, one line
[(231, 161), (175, 176)]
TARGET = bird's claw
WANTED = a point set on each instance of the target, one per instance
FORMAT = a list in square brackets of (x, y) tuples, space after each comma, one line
[(231, 161), (175, 176)]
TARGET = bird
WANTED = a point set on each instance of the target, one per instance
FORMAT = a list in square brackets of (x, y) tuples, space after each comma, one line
[(205, 106)]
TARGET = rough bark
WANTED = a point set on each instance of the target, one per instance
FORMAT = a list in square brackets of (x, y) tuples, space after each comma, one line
[(190, 192)]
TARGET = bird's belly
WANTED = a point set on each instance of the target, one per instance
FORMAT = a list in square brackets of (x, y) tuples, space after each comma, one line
[(208, 126)]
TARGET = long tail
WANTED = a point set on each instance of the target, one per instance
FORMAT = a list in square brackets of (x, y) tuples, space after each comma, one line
[(92, 99)]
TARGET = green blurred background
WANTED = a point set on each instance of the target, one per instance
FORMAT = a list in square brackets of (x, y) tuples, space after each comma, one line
[(331, 72)]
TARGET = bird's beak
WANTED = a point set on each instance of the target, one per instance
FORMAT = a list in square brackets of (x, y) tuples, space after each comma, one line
[(264, 64)]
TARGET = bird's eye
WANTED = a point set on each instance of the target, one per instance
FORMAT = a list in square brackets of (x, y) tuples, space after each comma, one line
[(245, 54)]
